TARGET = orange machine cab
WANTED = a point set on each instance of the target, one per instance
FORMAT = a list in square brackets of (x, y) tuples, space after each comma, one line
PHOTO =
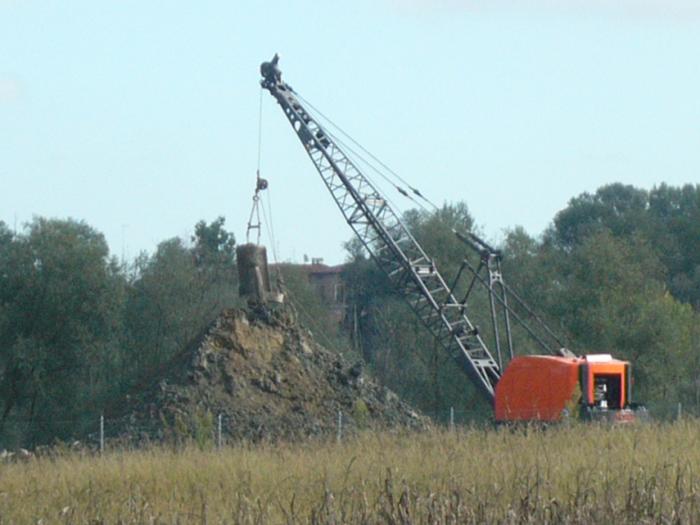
[(544, 388)]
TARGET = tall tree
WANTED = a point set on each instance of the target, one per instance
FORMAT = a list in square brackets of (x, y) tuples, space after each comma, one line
[(60, 298), (667, 217), (175, 294), (619, 208)]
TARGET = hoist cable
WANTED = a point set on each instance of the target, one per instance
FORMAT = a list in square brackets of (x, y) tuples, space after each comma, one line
[(364, 160), (356, 156), (267, 215), (272, 224), (260, 112), (369, 153), (347, 135)]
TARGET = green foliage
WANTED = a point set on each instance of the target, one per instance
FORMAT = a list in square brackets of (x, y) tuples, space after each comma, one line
[(204, 429), (360, 413), (435, 232), (313, 311), (60, 301), (668, 218), (617, 272), (176, 293), (616, 207), (213, 245), (193, 428)]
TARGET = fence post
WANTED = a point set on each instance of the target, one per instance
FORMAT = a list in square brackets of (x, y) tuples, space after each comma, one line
[(680, 410), (218, 432), (452, 418), (340, 426), (102, 433)]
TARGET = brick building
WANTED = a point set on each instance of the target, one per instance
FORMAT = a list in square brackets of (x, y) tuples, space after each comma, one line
[(328, 283)]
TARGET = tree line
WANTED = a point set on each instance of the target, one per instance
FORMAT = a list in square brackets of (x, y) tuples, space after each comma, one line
[(617, 271)]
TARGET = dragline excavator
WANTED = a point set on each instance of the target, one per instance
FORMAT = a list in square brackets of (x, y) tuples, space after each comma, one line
[(521, 388)]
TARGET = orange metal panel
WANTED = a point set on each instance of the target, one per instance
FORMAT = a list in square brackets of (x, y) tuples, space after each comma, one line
[(536, 388)]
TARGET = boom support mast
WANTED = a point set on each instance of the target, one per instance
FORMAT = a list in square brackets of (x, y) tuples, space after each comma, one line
[(388, 241)]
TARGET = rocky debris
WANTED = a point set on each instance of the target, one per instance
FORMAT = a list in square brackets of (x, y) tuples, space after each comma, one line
[(268, 379)]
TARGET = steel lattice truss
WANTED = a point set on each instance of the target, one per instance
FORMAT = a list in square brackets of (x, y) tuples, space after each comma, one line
[(412, 273)]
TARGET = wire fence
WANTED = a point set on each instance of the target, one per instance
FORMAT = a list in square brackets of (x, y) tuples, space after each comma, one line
[(101, 433)]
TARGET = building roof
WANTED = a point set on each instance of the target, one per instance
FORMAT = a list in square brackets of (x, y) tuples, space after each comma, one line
[(323, 268), (315, 269)]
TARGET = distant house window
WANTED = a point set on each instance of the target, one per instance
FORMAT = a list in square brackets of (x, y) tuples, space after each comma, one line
[(339, 293)]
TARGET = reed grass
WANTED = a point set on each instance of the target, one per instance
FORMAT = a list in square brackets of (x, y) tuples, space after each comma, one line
[(576, 474)]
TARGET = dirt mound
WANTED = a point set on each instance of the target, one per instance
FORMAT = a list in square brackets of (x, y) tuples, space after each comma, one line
[(268, 379)]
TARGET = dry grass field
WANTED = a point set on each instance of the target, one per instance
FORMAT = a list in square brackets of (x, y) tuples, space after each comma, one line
[(578, 474)]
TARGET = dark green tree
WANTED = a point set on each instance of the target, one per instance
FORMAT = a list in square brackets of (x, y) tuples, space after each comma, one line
[(213, 245), (176, 293), (621, 209), (667, 217), (60, 298)]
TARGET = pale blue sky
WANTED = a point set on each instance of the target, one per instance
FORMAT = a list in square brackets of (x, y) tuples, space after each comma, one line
[(141, 117)]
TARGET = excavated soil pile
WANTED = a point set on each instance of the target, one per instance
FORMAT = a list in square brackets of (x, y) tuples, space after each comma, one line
[(268, 379)]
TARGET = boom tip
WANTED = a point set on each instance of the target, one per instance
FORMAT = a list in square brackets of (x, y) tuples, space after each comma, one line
[(269, 70)]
